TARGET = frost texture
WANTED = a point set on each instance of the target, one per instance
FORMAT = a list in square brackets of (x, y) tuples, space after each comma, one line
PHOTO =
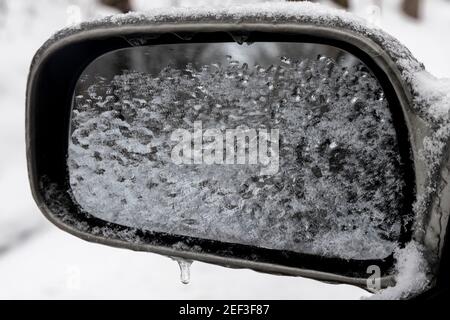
[(339, 188), (435, 93)]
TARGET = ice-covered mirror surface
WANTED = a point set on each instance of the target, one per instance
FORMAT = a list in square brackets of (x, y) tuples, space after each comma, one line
[(155, 144)]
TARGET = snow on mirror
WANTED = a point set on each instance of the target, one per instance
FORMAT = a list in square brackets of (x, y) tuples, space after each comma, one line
[(287, 146)]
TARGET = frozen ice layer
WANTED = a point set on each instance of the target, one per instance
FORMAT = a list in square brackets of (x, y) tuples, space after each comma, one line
[(339, 186)]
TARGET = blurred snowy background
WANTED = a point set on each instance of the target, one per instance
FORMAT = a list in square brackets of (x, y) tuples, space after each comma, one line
[(39, 261)]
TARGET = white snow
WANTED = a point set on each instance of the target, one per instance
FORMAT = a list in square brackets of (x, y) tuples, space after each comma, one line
[(437, 92), (412, 276), (56, 265), (48, 263)]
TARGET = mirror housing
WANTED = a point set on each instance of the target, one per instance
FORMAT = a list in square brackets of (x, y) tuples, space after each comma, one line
[(58, 64)]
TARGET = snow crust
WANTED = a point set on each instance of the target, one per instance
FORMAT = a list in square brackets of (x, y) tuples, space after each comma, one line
[(275, 13)]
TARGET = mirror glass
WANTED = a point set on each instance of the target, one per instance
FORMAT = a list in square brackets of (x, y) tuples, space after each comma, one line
[(287, 146)]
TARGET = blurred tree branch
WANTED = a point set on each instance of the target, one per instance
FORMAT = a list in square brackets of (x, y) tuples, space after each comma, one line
[(342, 3), (411, 8), (123, 6)]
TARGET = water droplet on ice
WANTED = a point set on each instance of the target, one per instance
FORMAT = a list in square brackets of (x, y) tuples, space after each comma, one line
[(285, 60), (354, 100), (312, 98)]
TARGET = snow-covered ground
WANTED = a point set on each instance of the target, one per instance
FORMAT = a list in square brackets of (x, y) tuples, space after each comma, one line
[(39, 261)]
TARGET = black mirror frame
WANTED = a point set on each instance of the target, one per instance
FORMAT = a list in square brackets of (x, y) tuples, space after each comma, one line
[(52, 79)]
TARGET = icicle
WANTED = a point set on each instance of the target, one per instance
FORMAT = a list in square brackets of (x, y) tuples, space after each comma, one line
[(185, 269)]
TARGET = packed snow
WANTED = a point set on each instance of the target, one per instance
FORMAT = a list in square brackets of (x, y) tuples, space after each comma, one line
[(412, 270)]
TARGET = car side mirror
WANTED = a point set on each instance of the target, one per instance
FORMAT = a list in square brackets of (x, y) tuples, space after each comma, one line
[(263, 139)]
